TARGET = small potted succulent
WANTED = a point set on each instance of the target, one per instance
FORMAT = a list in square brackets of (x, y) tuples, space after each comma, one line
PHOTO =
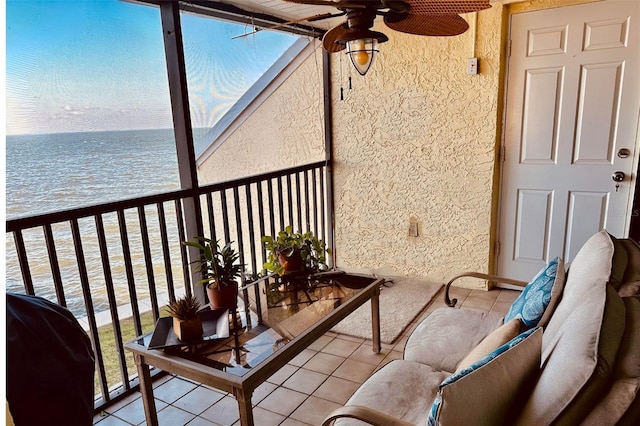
[(187, 325), (219, 272), (293, 253)]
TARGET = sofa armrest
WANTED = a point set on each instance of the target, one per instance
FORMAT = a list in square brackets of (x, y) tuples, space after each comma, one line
[(365, 414), (452, 302)]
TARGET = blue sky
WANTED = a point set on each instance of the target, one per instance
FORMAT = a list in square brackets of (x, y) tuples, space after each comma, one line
[(99, 65)]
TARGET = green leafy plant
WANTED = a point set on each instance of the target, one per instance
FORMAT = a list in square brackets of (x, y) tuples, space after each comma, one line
[(185, 308), (291, 252), (217, 265)]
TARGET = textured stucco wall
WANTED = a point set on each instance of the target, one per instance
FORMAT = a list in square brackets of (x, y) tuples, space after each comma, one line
[(423, 148), (285, 131), (531, 5)]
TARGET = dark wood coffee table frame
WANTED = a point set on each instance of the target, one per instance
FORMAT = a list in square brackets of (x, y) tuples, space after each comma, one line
[(242, 387)]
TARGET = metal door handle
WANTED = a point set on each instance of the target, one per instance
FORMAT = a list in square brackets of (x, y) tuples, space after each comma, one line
[(618, 176)]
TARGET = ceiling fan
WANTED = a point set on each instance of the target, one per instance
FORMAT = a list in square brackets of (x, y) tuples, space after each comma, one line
[(419, 17)]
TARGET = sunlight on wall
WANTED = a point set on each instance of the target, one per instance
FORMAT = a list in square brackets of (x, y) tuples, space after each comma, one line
[(424, 148)]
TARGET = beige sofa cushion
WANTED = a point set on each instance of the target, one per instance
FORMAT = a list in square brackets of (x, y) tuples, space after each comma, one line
[(619, 263), (497, 338), (447, 335), (485, 392), (632, 415), (630, 285), (629, 289), (580, 342), (402, 389), (626, 383)]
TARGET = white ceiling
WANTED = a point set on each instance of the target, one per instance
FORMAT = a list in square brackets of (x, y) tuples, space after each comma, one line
[(289, 11)]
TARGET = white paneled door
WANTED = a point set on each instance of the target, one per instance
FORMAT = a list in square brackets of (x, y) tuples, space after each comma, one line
[(573, 102)]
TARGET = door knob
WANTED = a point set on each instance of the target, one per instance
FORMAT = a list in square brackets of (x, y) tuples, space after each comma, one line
[(617, 176)]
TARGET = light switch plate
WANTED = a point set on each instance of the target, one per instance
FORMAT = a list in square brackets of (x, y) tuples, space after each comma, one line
[(472, 66)]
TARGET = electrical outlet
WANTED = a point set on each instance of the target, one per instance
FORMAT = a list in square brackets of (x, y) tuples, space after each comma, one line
[(472, 66), (413, 228)]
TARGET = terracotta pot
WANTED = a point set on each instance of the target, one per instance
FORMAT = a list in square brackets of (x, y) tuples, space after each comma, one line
[(188, 330), (292, 263), (223, 296)]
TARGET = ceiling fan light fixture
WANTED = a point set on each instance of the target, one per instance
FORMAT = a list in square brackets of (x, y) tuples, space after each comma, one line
[(362, 46), (361, 52)]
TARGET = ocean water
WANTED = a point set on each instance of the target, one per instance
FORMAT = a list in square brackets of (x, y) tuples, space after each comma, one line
[(53, 172)]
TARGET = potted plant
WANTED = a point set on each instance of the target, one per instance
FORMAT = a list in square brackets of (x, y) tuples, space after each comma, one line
[(187, 325), (219, 272), (292, 253)]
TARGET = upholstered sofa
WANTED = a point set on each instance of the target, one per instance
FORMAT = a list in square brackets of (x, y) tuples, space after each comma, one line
[(578, 362)]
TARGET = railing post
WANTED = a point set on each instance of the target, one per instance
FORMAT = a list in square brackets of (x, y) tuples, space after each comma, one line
[(328, 150), (176, 71)]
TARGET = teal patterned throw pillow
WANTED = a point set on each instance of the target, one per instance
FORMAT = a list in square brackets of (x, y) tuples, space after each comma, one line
[(531, 304)]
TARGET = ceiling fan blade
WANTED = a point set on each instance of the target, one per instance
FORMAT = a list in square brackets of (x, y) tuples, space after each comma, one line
[(427, 25), (329, 40), (446, 7), (340, 4)]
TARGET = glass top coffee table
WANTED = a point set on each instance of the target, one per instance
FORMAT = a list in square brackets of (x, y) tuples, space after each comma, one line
[(281, 317)]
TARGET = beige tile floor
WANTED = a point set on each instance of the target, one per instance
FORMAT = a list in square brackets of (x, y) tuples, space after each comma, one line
[(304, 392)]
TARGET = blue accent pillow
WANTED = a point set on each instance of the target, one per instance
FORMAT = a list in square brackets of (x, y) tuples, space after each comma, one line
[(532, 303), (523, 364)]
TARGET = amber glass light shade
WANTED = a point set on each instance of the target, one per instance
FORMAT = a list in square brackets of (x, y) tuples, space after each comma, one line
[(362, 52)]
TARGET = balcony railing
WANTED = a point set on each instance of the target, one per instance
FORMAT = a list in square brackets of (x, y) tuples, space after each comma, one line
[(116, 265)]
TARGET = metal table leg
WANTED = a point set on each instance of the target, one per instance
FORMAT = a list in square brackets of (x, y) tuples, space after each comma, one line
[(375, 320), (146, 389)]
